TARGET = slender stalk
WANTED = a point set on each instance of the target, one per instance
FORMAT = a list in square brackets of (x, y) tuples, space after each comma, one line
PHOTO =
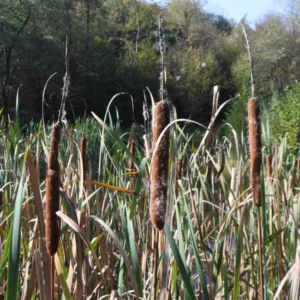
[(83, 155), (52, 281), (131, 149), (298, 170), (269, 167), (155, 262), (279, 238)]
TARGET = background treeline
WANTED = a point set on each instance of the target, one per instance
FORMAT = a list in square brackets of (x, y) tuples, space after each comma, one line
[(115, 49)]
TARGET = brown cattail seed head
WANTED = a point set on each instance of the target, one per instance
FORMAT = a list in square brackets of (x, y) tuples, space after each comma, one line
[(255, 148), (53, 153), (52, 193), (159, 170), (52, 206)]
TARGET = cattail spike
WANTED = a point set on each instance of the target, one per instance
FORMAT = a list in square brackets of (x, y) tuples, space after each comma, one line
[(255, 148), (52, 193), (53, 153), (52, 206), (159, 171)]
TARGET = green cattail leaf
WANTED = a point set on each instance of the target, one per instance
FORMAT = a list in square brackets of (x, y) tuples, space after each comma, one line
[(134, 257), (6, 251), (138, 185), (61, 273), (115, 136), (179, 232), (218, 261), (186, 279), (94, 243), (275, 235), (197, 257), (174, 280), (121, 282), (14, 253), (122, 252), (68, 206)]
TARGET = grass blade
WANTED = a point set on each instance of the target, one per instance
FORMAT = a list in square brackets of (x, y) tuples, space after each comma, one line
[(118, 244), (138, 185), (237, 269), (186, 279), (62, 278), (134, 257), (14, 254)]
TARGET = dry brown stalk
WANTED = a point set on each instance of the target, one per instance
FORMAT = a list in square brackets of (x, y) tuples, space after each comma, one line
[(298, 170), (131, 149), (83, 155), (269, 166), (146, 143), (255, 148), (52, 193), (159, 170), (1, 198), (179, 168)]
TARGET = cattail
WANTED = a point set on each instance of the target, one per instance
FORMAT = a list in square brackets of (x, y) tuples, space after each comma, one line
[(255, 148), (83, 155), (159, 171), (52, 193)]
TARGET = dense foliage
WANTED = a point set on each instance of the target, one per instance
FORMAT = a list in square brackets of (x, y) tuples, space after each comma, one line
[(284, 115)]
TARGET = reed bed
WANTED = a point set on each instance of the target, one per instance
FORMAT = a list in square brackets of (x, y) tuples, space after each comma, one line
[(105, 238)]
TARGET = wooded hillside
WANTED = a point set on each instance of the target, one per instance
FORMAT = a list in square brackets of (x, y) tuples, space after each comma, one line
[(114, 49)]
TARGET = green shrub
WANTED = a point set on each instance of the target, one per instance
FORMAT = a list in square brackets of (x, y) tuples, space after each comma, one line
[(284, 117)]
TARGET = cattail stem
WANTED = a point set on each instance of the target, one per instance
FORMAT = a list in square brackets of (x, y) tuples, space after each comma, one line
[(160, 160), (52, 193)]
